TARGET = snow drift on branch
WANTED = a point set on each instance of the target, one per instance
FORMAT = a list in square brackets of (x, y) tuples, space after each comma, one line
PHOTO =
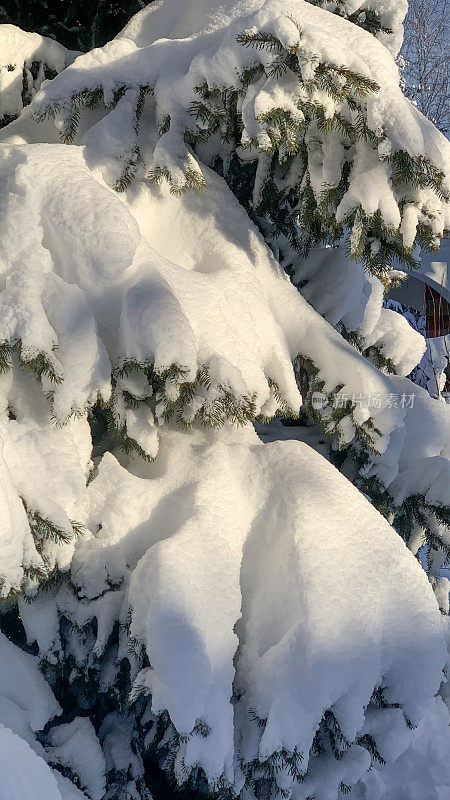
[(300, 83), (91, 309), (26, 60), (299, 561)]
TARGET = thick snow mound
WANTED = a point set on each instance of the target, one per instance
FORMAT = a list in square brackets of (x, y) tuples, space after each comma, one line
[(339, 289), (23, 774), (17, 542), (347, 296), (75, 745), (26, 701), (434, 364), (397, 340), (161, 20), (283, 634), (26, 705), (222, 308), (204, 333), (18, 51), (302, 602), (43, 481), (422, 770), (424, 464), (21, 47)]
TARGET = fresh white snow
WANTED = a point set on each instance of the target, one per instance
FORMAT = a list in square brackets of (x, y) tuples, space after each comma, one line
[(266, 591), (18, 50), (309, 608)]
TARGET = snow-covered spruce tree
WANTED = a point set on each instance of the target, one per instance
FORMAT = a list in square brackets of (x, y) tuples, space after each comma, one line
[(210, 611)]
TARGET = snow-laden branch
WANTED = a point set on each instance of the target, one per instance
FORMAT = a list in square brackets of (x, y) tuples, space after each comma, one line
[(204, 334), (315, 91), (26, 60)]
